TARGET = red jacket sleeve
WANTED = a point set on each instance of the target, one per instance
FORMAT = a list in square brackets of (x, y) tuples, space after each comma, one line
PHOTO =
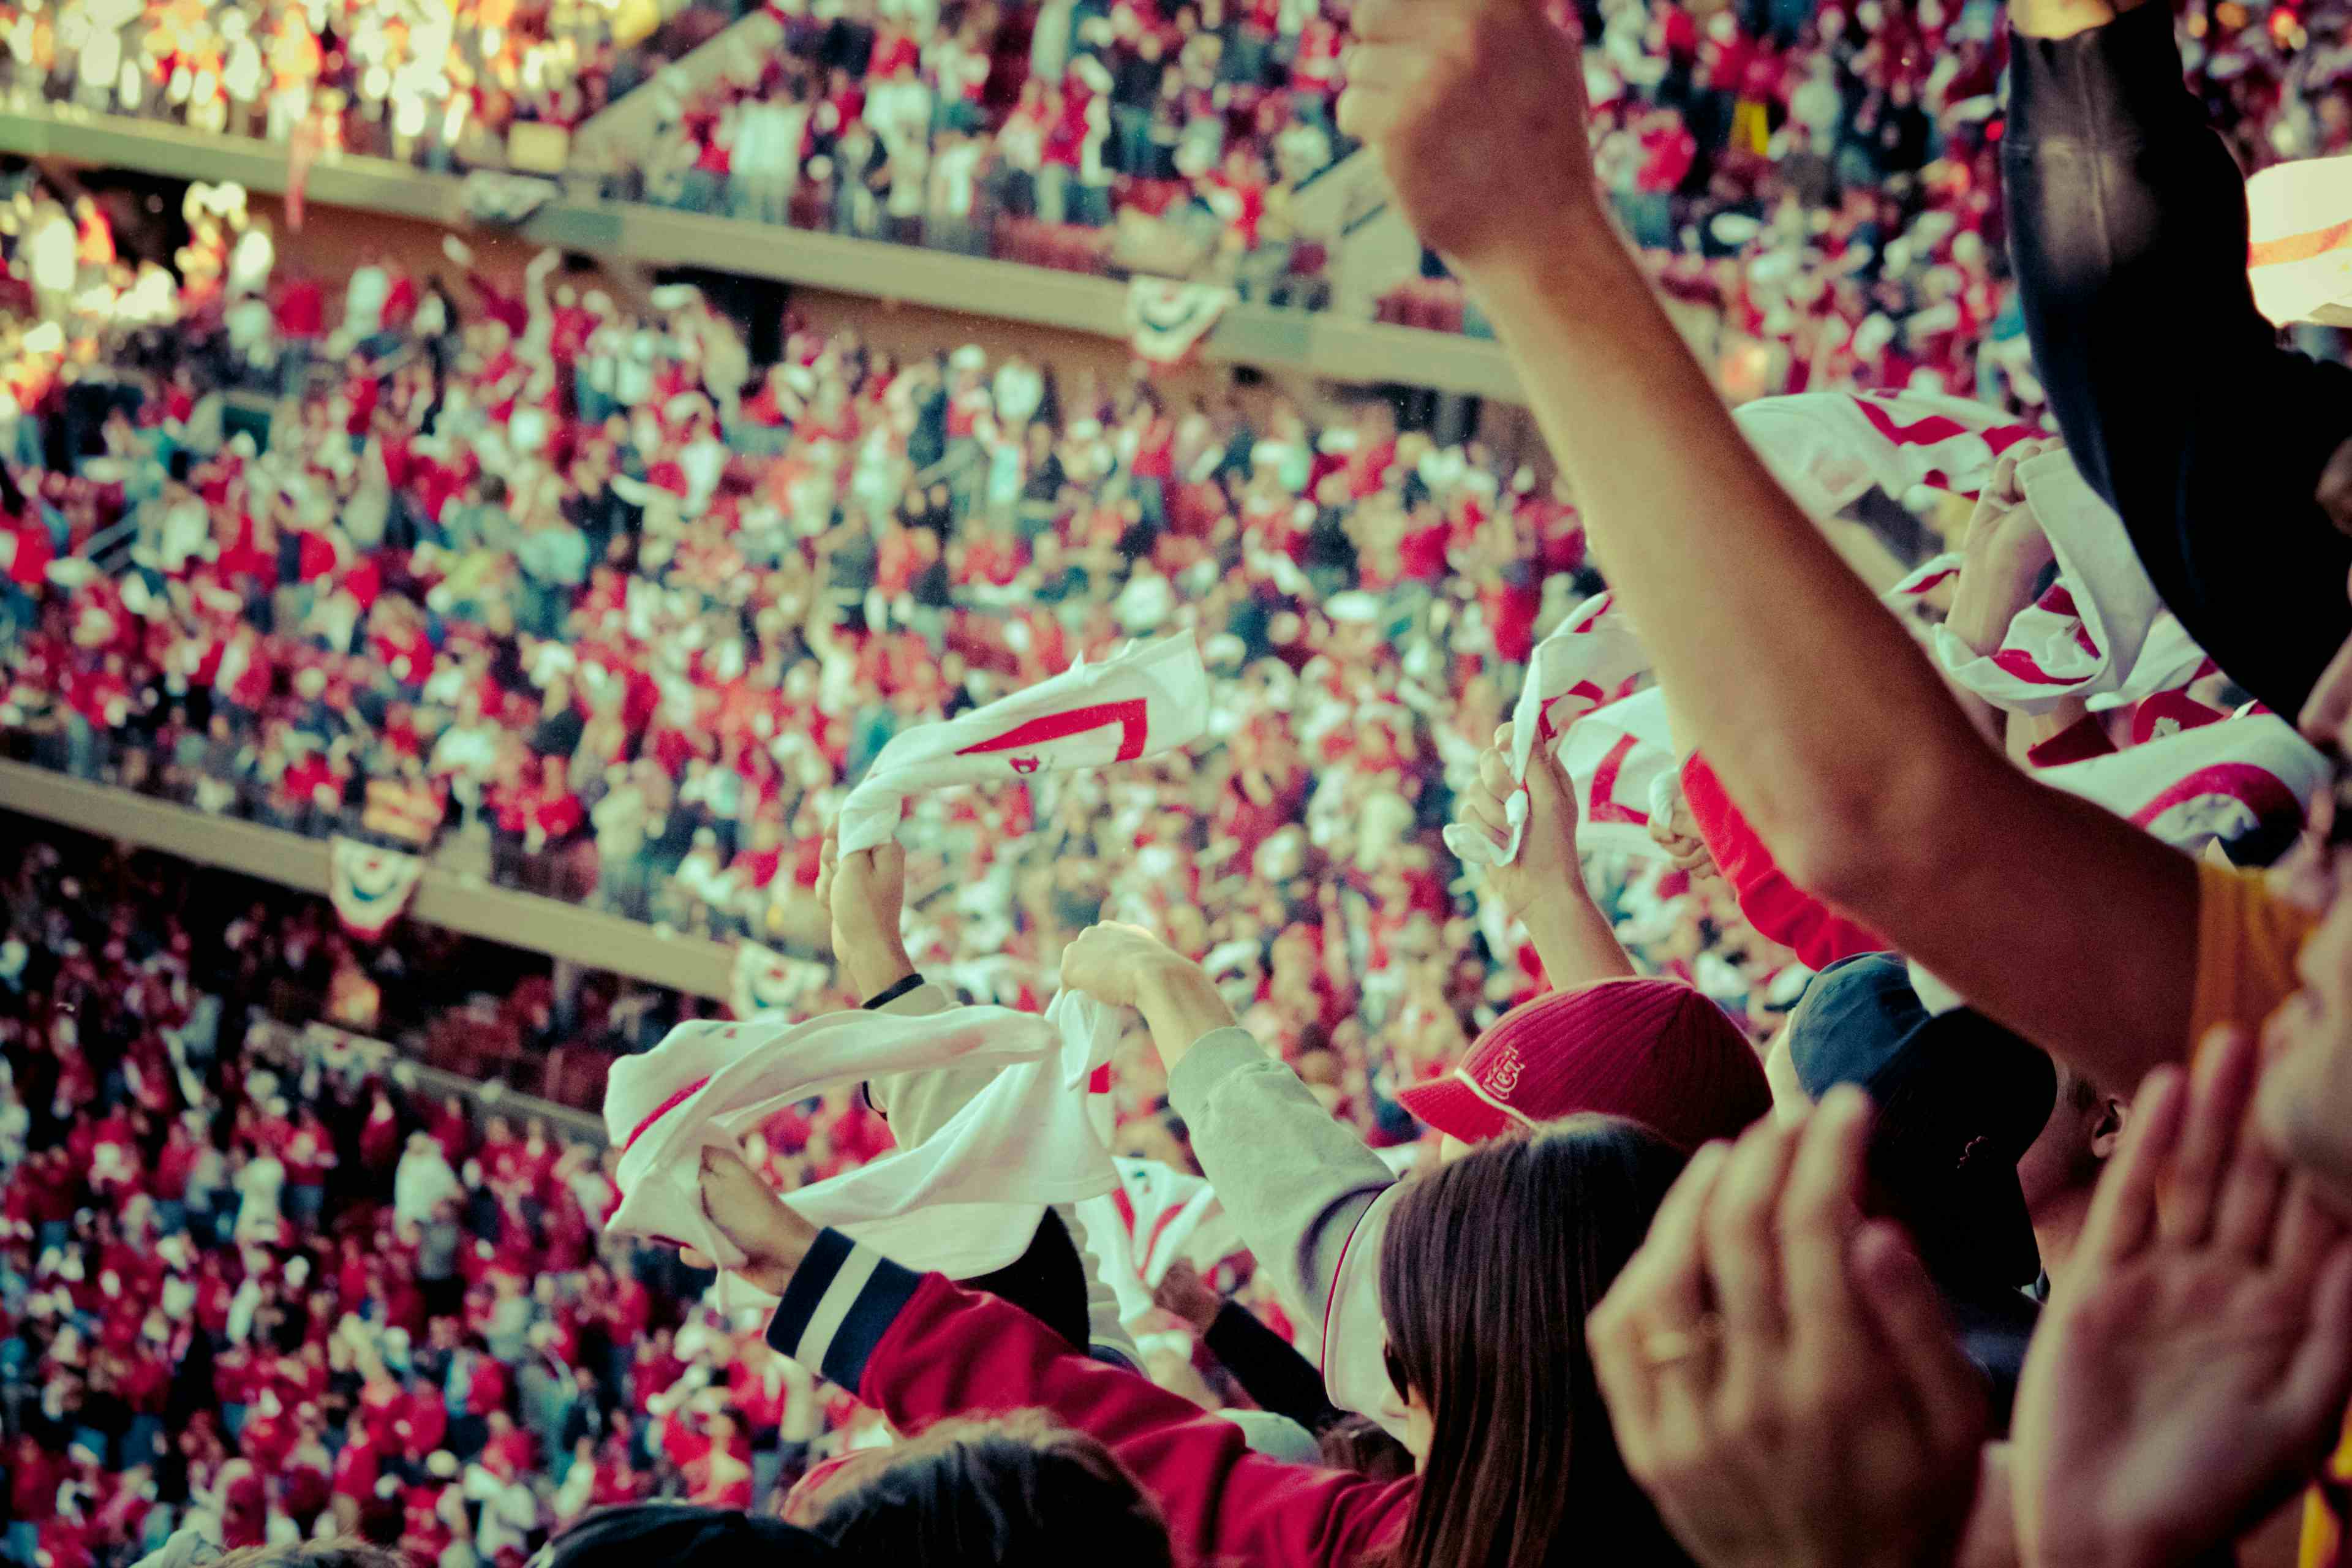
[(1777, 909), (919, 1348)]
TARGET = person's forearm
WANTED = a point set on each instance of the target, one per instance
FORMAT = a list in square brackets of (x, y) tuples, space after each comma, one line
[(1268, 1368), (1573, 938), (1828, 725), (1179, 1005), (1755, 625)]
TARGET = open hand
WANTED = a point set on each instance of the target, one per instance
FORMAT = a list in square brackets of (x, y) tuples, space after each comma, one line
[(1780, 1371), (2195, 1362)]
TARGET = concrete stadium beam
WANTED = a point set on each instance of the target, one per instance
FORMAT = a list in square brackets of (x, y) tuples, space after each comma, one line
[(455, 901), (1315, 343)]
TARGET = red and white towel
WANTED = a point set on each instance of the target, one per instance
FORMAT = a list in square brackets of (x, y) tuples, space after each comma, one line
[(2080, 638), (1155, 1216), (1149, 699), (965, 1201), (1593, 659)]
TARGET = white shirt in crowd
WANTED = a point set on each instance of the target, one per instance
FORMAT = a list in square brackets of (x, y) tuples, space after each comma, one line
[(422, 1184)]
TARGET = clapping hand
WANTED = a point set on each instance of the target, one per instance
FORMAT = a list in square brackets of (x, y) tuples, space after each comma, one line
[(2196, 1360), (1780, 1370)]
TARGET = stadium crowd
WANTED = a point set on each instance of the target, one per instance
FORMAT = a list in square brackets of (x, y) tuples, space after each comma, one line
[(638, 622), (1818, 181), (2028, 1237), (272, 1287), (440, 85)]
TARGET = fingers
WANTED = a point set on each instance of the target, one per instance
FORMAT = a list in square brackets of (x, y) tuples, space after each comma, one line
[(1741, 1251), (1494, 775), (2329, 705), (2123, 1211), (2189, 1201), (1819, 1212), (1901, 1305), (2318, 1380)]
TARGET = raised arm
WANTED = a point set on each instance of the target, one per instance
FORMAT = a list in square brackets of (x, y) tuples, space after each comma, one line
[(1824, 720), (2127, 222), (1298, 1183)]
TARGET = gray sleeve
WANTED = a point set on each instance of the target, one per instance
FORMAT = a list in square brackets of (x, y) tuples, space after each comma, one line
[(1295, 1182)]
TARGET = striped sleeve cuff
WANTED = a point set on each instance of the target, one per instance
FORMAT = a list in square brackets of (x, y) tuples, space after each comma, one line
[(842, 1299)]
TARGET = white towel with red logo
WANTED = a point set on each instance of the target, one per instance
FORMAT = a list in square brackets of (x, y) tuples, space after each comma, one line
[(966, 1201), (1151, 699)]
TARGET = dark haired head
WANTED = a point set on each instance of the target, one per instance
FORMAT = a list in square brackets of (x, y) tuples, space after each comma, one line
[(1014, 1492), (1487, 1271), (638, 1535), (342, 1552)]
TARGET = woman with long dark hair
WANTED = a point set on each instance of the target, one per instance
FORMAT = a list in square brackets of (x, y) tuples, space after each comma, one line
[(1487, 1272)]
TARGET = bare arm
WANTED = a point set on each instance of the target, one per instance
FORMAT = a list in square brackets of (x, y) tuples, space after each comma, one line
[(1824, 720)]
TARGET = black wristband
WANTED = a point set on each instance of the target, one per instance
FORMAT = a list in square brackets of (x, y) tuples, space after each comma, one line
[(911, 983)]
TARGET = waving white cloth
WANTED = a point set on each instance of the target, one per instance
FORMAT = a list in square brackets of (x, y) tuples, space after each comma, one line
[(1153, 698), (1593, 658), (965, 1201), (2083, 638)]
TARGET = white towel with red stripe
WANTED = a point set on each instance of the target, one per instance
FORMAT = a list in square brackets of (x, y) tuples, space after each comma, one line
[(966, 1201), (2082, 638), (1149, 699), (1155, 1214), (2299, 241), (1592, 660)]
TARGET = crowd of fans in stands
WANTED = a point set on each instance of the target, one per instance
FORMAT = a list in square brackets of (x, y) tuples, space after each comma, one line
[(637, 623), (1816, 181), (282, 1288)]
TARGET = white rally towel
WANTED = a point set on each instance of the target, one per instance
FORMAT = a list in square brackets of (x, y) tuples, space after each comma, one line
[(2249, 772), (1594, 657), (1155, 1216), (1150, 698), (2299, 234), (966, 1201), (370, 887), (2080, 638)]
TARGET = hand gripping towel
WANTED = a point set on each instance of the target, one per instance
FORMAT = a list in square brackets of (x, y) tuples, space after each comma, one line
[(966, 1201)]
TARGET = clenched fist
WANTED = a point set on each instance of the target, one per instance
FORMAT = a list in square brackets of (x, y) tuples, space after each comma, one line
[(1477, 111)]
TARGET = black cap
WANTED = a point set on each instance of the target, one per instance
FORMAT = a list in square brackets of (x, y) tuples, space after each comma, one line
[(1959, 1098)]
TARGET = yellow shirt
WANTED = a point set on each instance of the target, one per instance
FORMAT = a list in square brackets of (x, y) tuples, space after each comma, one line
[(2247, 942)]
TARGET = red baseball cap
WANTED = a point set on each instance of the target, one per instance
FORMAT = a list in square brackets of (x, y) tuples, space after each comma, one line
[(1654, 1051)]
